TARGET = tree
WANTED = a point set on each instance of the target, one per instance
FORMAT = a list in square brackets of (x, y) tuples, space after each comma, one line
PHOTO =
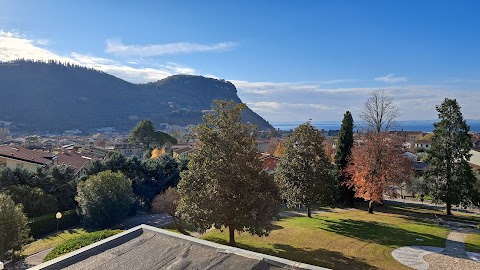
[(378, 167), (344, 149), (279, 150), (105, 199), (225, 184), (379, 112), (34, 200), (166, 202), (145, 135), (304, 174), (13, 226), (452, 176)]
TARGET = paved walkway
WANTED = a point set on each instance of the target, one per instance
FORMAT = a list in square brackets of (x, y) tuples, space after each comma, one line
[(453, 256)]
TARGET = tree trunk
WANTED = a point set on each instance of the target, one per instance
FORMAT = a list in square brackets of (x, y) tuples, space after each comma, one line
[(309, 212), (370, 207), (179, 226), (449, 209), (231, 232)]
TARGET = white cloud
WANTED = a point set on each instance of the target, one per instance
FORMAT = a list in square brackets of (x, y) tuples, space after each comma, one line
[(390, 78), (118, 48), (275, 101)]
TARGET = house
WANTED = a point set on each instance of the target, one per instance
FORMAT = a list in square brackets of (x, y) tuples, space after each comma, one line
[(22, 157), (73, 159), (475, 160), (411, 156), (128, 150), (408, 136), (147, 247), (423, 144), (269, 162), (177, 152), (262, 145)]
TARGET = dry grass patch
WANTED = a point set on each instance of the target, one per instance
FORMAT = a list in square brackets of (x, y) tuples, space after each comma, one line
[(52, 240)]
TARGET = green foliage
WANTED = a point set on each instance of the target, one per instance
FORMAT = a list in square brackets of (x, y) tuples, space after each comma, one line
[(145, 135), (12, 177), (34, 200), (225, 184), (344, 150), (451, 175), (13, 226), (45, 224), (105, 199), (149, 176), (79, 242), (345, 142), (304, 173), (58, 181)]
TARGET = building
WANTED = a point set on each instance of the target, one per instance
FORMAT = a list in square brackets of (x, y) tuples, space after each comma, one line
[(423, 144), (269, 162), (22, 157), (408, 136), (128, 150), (475, 160), (73, 159), (178, 152), (147, 247)]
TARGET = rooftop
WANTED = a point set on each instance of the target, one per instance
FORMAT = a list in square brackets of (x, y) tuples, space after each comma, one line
[(147, 247)]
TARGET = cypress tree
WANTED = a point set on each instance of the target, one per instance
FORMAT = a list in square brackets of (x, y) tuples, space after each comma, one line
[(344, 149)]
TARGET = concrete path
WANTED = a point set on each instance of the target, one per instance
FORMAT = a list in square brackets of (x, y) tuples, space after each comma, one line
[(453, 256)]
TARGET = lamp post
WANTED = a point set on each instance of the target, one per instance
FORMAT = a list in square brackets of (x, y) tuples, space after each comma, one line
[(58, 216)]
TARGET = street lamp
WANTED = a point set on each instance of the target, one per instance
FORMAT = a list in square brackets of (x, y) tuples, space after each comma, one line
[(58, 216)]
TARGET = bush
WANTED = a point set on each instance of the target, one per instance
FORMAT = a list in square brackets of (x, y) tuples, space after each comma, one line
[(13, 226), (105, 199), (48, 223), (34, 200), (79, 242)]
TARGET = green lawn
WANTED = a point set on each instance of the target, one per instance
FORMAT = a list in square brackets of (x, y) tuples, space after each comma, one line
[(52, 240), (350, 239), (472, 242)]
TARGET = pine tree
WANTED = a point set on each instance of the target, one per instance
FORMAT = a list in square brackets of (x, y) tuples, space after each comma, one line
[(304, 173), (450, 173), (225, 184), (344, 149)]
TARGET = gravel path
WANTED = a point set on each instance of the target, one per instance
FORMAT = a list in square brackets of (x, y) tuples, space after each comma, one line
[(453, 257)]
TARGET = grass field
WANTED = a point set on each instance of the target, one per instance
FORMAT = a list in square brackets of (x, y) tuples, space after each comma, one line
[(52, 241), (472, 242), (344, 239)]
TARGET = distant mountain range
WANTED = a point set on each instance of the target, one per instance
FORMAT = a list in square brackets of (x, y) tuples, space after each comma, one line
[(54, 97)]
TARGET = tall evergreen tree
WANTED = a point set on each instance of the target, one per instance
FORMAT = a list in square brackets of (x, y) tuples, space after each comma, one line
[(450, 173), (304, 173), (344, 149), (225, 184)]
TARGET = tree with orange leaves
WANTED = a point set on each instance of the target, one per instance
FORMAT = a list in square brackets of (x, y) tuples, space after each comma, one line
[(378, 167)]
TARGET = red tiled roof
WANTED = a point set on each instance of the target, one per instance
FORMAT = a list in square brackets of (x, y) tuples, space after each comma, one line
[(73, 159), (25, 154)]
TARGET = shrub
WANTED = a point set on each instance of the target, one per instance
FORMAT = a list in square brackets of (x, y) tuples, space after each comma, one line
[(13, 226), (34, 200), (48, 223), (79, 242), (105, 199)]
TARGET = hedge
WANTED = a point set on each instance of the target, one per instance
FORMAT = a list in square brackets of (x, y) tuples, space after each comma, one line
[(79, 242), (48, 223)]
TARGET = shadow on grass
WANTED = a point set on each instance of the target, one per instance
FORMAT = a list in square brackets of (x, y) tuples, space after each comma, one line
[(429, 212), (318, 257), (382, 234)]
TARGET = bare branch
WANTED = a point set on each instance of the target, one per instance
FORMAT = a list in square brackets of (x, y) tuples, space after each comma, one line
[(379, 113)]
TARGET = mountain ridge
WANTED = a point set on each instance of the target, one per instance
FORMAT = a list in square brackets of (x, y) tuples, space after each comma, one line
[(54, 97)]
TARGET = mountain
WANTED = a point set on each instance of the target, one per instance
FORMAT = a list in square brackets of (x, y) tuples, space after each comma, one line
[(54, 97)]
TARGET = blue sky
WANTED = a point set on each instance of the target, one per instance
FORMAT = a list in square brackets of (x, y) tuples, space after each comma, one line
[(290, 60)]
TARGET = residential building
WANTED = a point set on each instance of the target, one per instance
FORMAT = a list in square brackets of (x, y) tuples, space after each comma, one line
[(423, 144), (269, 162), (22, 157), (128, 150)]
